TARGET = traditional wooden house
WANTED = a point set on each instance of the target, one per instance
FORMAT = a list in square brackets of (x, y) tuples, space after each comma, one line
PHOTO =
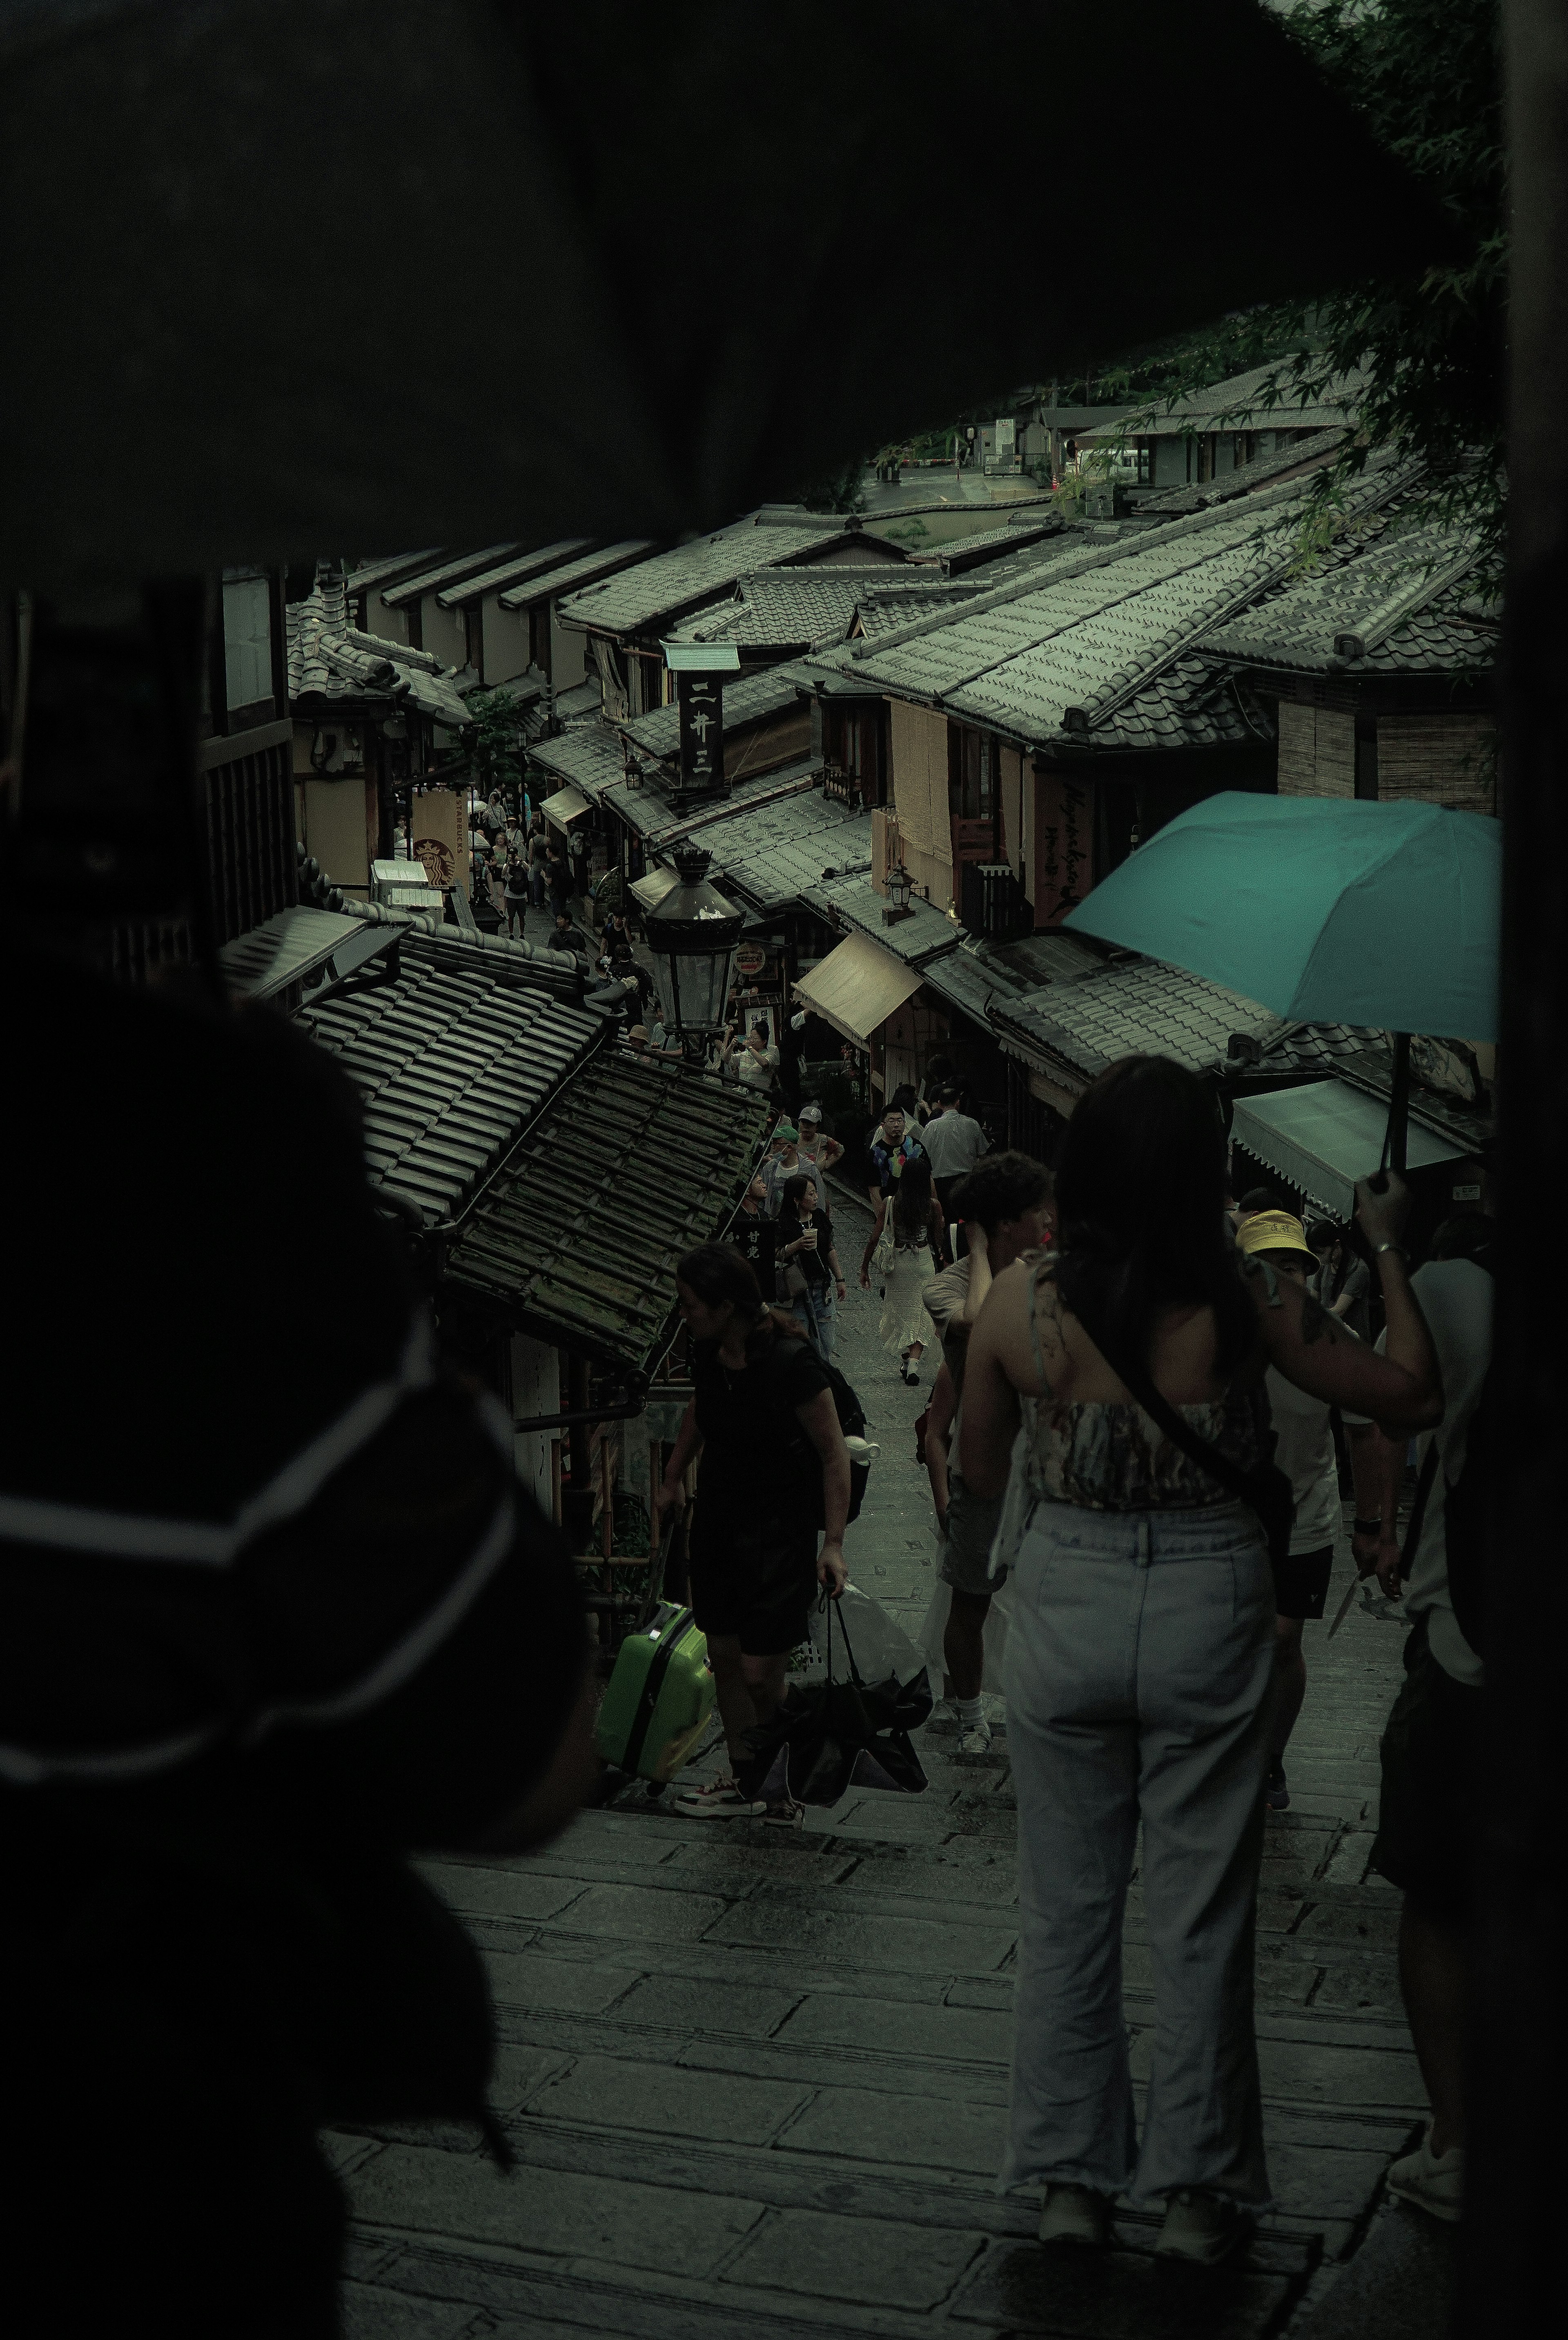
[(1380, 670)]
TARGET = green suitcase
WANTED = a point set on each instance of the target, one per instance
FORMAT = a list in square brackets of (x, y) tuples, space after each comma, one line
[(659, 1698)]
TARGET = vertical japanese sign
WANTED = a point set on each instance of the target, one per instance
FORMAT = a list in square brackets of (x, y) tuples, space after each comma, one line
[(1064, 866), (701, 731)]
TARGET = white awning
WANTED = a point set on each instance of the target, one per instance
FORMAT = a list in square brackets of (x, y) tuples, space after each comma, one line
[(856, 987), (564, 807), (1322, 1138)]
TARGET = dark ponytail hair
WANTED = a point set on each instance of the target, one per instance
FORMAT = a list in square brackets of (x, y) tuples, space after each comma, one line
[(912, 1196), (718, 1274), (1140, 1209)]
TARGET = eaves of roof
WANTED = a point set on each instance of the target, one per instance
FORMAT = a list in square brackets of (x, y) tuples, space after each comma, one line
[(749, 699), (631, 1164), (548, 583), (1140, 1008), (646, 809), (588, 756), (544, 558), (450, 572), (852, 902), (371, 575), (453, 1054), (1396, 607), (1292, 462), (645, 599), (998, 662), (770, 853)]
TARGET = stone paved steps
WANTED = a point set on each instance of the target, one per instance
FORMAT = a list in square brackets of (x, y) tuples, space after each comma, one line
[(740, 2071)]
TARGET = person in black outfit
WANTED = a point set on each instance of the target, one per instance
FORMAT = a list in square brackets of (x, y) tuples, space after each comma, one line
[(515, 895), (216, 1773), (557, 878), (762, 1418)]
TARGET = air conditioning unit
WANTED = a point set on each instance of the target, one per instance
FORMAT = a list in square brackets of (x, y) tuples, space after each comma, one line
[(993, 904)]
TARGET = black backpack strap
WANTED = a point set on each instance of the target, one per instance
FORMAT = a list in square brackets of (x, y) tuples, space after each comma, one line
[(1197, 1449)]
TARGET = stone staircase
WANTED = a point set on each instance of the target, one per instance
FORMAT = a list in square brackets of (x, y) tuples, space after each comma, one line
[(755, 2081)]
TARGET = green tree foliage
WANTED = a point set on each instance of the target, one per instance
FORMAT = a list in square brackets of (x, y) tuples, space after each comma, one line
[(498, 739), (844, 491), (1426, 75)]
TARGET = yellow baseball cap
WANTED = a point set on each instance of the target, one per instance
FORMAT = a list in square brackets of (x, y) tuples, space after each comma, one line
[(1273, 1231)]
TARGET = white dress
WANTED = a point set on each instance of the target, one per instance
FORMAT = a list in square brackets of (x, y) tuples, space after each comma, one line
[(905, 1319)]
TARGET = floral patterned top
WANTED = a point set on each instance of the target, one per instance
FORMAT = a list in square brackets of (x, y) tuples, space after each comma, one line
[(1109, 1455)]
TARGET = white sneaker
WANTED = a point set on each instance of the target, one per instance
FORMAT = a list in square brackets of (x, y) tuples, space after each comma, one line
[(720, 1800), (1204, 2228), (1432, 2182), (1075, 2213), (976, 1739)]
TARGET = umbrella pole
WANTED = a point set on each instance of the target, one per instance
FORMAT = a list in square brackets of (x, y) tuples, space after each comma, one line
[(1394, 1144)]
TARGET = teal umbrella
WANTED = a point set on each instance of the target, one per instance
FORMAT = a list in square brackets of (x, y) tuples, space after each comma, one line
[(1327, 911)]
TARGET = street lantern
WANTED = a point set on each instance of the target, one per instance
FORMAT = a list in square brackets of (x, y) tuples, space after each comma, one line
[(899, 892), (692, 933)]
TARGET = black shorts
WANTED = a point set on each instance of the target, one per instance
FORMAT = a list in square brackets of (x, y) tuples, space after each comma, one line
[(1301, 1583), (753, 1580), (1429, 1752)]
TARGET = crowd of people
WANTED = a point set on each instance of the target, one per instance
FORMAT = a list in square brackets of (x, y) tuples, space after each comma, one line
[(1150, 1402)]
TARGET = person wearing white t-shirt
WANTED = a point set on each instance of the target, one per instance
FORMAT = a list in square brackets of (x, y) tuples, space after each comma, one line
[(954, 1142), (1429, 1756), (1303, 1450)]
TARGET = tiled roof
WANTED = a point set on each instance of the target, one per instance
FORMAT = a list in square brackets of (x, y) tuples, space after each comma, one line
[(800, 609), (632, 1164), (1241, 400), (851, 902), (653, 593), (749, 699), (539, 561), (371, 574), (1196, 703), (1046, 958), (882, 612), (448, 573), (770, 853), (1394, 608), (1141, 1008), (570, 574), (587, 755), (979, 550), (1316, 450), (1057, 655), (331, 662), (452, 1054), (647, 811), (559, 973)]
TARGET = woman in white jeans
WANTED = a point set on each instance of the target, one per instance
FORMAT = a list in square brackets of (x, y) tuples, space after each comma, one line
[(1140, 1659)]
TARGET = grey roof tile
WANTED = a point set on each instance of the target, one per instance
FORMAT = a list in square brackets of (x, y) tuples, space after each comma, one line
[(542, 558), (547, 584), (850, 902), (331, 662), (629, 1165), (1143, 1005), (1314, 451), (1396, 607), (586, 756), (371, 575), (653, 593), (747, 698), (447, 573), (453, 1055)]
